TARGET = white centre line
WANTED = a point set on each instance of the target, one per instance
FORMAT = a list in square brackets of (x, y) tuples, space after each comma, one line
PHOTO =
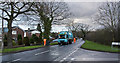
[(61, 47), (16, 60), (68, 55), (72, 59), (42, 52)]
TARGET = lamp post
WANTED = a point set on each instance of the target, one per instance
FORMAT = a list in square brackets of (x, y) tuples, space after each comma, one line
[(118, 21), (2, 30)]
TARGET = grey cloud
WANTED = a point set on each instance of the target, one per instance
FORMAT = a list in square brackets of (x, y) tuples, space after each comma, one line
[(83, 9)]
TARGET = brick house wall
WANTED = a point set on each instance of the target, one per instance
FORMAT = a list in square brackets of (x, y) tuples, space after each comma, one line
[(15, 32), (18, 31), (37, 34), (28, 34)]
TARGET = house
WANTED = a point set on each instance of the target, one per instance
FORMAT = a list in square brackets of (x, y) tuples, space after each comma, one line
[(36, 32), (28, 33), (16, 30)]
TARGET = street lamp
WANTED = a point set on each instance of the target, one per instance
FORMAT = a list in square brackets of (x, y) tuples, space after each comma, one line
[(2, 31), (118, 27)]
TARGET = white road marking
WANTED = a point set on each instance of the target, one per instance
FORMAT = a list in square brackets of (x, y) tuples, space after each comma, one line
[(61, 47), (54, 46), (54, 53), (16, 60), (42, 52), (57, 59), (68, 55), (72, 59), (97, 59)]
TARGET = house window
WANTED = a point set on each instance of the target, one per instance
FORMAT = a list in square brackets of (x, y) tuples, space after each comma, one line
[(25, 34), (14, 32)]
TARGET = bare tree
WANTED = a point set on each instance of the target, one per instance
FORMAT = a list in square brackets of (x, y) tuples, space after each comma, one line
[(74, 27), (71, 25), (85, 29), (78, 27), (108, 16), (50, 12), (12, 10)]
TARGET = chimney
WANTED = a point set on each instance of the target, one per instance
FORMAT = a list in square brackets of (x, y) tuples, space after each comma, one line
[(28, 29)]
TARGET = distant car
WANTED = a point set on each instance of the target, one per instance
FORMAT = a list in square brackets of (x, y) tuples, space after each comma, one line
[(51, 38), (55, 40)]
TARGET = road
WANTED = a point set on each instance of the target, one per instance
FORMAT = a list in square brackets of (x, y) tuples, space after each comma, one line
[(70, 53)]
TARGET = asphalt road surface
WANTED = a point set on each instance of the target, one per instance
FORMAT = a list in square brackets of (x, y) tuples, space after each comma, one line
[(66, 53)]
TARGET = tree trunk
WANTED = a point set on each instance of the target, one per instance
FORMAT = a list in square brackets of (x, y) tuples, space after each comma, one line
[(47, 29), (40, 37), (113, 34), (40, 30), (84, 34), (118, 35), (9, 34)]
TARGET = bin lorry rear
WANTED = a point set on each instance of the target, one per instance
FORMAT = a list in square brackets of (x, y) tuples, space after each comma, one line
[(65, 37)]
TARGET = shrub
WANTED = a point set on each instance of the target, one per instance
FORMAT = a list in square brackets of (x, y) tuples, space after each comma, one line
[(40, 41), (20, 42), (19, 37), (14, 43), (5, 43), (35, 38), (102, 36), (31, 40), (26, 41), (5, 40)]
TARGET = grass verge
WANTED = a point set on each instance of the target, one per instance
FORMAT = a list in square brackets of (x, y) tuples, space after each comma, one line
[(98, 47), (23, 48), (20, 48), (55, 43)]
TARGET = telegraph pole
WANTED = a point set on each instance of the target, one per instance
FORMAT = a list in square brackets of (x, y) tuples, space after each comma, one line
[(2, 29), (118, 37)]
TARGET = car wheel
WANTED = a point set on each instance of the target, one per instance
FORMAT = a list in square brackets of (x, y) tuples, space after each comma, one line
[(67, 43), (59, 43), (70, 41)]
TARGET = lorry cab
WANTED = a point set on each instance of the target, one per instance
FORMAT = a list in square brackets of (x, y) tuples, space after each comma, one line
[(65, 37)]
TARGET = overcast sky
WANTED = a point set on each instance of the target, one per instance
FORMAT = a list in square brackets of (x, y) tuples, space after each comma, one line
[(82, 13)]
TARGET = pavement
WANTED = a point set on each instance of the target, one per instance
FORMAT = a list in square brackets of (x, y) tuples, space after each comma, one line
[(71, 53)]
